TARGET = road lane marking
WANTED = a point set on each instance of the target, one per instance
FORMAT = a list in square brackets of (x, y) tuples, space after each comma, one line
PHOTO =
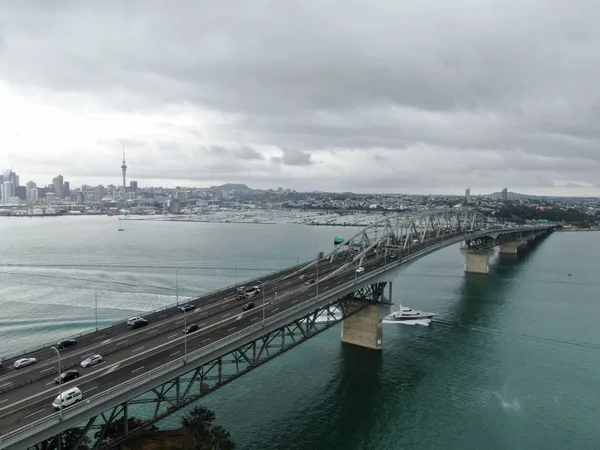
[(87, 356), (33, 414), (99, 337), (138, 369), (106, 341), (137, 349), (275, 309), (172, 336), (112, 368), (205, 340), (161, 317), (154, 331), (231, 329), (224, 306), (48, 384), (173, 354), (225, 315), (202, 324), (122, 342), (6, 384), (91, 389), (294, 301), (177, 323), (47, 370), (5, 400), (253, 319)]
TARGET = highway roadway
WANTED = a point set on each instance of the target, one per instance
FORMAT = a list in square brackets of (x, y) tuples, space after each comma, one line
[(26, 394)]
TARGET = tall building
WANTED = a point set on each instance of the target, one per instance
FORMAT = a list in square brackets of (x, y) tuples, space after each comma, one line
[(67, 189), (99, 193), (28, 189), (468, 195), (8, 176), (34, 195), (133, 186), (505, 194), (124, 170), (7, 191), (59, 187)]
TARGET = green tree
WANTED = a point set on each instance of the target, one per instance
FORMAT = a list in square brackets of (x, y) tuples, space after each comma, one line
[(69, 439), (202, 434), (116, 429)]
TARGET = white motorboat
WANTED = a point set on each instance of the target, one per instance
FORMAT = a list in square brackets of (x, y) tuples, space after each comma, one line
[(406, 313)]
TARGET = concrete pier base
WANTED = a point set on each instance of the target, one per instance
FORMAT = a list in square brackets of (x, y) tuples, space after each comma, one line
[(476, 262), (364, 329), (511, 248)]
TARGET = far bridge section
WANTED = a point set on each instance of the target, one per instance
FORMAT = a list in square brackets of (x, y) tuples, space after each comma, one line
[(166, 370)]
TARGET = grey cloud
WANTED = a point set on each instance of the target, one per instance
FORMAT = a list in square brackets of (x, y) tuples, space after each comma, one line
[(495, 106)]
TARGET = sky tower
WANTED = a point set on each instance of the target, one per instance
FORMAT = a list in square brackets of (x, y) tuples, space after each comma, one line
[(124, 170)]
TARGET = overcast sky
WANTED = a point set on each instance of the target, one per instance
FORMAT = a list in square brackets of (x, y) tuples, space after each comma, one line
[(409, 96)]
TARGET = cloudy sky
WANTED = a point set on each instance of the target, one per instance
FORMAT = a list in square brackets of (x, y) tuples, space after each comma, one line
[(380, 96)]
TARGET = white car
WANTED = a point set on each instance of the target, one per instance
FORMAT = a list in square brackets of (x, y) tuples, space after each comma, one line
[(360, 269), (91, 361), (24, 362), (133, 320)]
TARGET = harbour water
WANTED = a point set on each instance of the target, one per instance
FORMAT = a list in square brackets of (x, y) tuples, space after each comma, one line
[(512, 360)]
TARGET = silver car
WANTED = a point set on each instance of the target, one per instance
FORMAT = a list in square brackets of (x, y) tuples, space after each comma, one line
[(24, 362), (91, 361)]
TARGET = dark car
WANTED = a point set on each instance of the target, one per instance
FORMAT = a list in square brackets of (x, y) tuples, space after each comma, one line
[(191, 329), (248, 306), (66, 343), (139, 323), (186, 308), (66, 376)]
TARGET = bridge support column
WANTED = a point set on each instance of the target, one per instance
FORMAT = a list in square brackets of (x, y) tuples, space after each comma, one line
[(510, 247), (364, 329), (477, 262)]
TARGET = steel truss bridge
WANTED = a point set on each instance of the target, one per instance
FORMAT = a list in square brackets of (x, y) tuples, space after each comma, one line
[(297, 304)]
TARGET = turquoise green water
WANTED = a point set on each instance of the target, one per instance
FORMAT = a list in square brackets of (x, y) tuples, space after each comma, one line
[(512, 363)]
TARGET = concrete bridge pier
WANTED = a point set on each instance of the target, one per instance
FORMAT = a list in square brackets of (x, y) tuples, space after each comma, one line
[(477, 262), (510, 248), (364, 329)]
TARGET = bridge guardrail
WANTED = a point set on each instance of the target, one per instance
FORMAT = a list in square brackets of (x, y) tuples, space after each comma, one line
[(166, 368), (171, 305)]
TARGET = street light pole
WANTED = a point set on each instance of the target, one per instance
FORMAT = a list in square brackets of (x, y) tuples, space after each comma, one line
[(263, 305), (177, 286), (96, 308), (317, 276), (185, 337), (60, 412)]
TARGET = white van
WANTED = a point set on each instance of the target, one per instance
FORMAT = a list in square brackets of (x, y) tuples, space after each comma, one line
[(69, 397)]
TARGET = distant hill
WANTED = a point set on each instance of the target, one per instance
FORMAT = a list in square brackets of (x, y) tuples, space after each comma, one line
[(232, 187), (515, 196)]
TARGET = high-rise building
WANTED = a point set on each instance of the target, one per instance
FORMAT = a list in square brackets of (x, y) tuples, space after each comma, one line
[(468, 195), (59, 187), (505, 194), (33, 195), (124, 170), (99, 193), (7, 191), (28, 188), (67, 189), (133, 186), (8, 176)]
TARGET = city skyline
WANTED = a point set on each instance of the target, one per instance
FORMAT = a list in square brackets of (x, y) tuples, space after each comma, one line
[(268, 101)]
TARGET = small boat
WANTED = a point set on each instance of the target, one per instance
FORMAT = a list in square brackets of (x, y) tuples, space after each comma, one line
[(406, 313), (121, 229)]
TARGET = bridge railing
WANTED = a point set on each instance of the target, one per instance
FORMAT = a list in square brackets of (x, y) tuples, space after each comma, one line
[(162, 308)]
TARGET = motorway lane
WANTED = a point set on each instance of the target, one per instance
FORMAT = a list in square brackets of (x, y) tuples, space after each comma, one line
[(74, 357), (102, 341), (92, 338), (34, 401)]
